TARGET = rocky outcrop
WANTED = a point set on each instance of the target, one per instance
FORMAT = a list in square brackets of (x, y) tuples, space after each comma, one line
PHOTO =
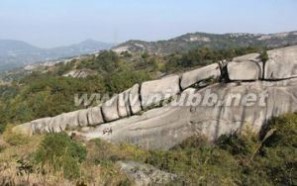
[(271, 85), (124, 105), (153, 92), (245, 68), (94, 116), (282, 63), (162, 128), (195, 76), (134, 99), (110, 109), (144, 174)]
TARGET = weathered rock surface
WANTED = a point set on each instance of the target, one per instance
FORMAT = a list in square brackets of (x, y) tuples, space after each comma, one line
[(41, 125), (124, 104), (282, 63), (165, 127), (110, 109), (82, 118), (144, 174), (245, 68), (94, 115), (195, 76), (153, 92), (134, 99)]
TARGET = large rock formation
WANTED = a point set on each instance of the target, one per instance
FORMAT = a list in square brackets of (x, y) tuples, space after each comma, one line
[(195, 76), (245, 106), (256, 91), (245, 68), (282, 63), (153, 92)]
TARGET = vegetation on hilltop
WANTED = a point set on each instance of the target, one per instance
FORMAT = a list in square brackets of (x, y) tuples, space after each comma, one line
[(57, 158), (192, 41)]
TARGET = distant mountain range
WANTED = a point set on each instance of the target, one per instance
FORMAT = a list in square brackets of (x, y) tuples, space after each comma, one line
[(215, 41), (18, 53)]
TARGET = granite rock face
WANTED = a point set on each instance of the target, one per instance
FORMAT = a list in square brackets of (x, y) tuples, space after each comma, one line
[(245, 68), (134, 99), (282, 63), (110, 109), (94, 116), (124, 104), (163, 128), (217, 109), (153, 92), (195, 76)]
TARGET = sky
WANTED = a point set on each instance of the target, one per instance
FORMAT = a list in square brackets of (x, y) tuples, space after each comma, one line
[(51, 23)]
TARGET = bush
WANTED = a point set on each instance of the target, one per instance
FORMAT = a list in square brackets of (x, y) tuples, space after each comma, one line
[(60, 153), (13, 138), (243, 159)]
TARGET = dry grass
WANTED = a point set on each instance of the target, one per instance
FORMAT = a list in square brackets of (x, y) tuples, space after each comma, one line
[(17, 166)]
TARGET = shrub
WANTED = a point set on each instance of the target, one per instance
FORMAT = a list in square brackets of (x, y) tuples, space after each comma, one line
[(264, 56), (59, 152), (13, 138)]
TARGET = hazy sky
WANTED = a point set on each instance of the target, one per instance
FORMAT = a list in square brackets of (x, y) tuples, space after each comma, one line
[(48, 23)]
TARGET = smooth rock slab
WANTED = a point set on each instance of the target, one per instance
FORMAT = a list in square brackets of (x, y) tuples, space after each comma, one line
[(83, 118), (195, 76), (40, 125), (282, 63), (163, 128), (95, 116), (124, 104), (110, 109), (65, 121), (245, 68), (153, 92), (134, 99)]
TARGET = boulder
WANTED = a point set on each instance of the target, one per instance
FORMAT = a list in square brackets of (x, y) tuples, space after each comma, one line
[(40, 126), (82, 117), (95, 116), (70, 120), (245, 68), (57, 124), (195, 76), (153, 92), (123, 104), (163, 128), (110, 109), (67, 121), (282, 63), (134, 99)]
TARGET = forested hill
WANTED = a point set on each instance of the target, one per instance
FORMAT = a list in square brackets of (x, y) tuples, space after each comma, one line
[(214, 41)]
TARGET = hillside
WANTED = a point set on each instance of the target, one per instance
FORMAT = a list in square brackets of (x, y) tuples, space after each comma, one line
[(190, 41), (17, 53), (178, 138)]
